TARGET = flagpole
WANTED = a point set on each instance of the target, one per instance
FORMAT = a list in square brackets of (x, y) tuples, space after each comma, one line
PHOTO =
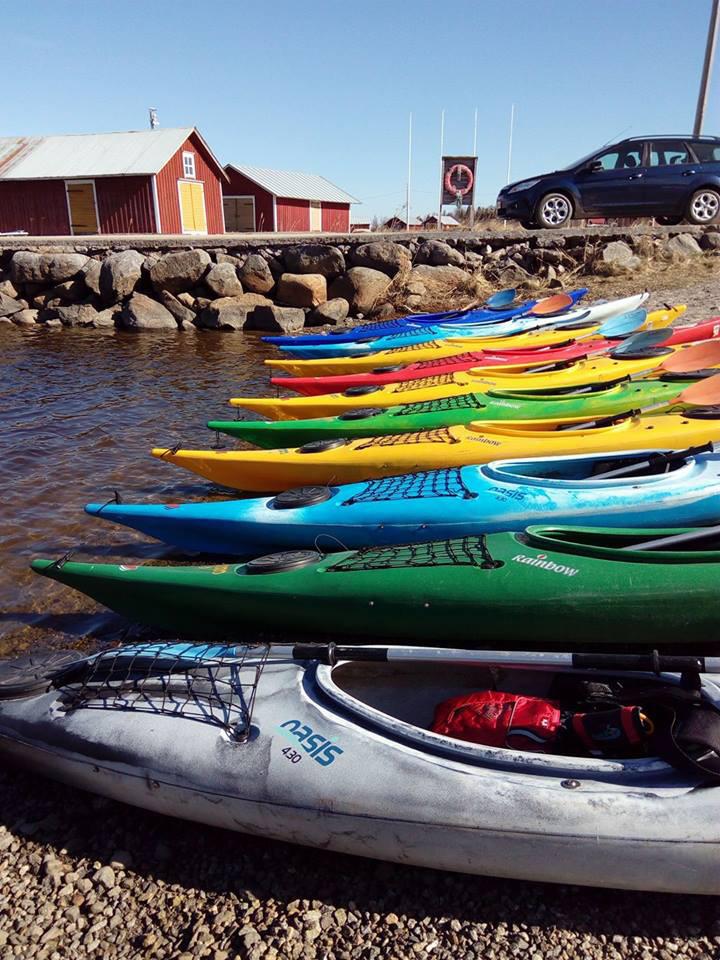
[(474, 153), (442, 149), (409, 174), (510, 141)]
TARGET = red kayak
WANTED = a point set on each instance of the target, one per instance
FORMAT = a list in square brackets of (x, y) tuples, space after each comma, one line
[(573, 350)]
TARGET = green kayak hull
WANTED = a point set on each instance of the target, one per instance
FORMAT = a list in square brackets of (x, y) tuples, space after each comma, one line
[(450, 411), (548, 586)]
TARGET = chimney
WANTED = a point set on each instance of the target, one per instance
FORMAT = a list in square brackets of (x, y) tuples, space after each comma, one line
[(154, 122)]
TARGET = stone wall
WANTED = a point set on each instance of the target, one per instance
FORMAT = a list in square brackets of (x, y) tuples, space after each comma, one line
[(286, 286)]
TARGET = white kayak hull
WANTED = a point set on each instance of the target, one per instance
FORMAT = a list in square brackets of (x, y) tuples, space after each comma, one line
[(390, 790)]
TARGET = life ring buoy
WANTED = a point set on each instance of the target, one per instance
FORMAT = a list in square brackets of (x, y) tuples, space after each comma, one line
[(459, 170)]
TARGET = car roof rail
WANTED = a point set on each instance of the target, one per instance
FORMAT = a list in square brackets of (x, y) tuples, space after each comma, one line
[(670, 136)]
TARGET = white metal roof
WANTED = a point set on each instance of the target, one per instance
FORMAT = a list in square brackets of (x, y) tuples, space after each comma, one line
[(296, 186), (91, 154)]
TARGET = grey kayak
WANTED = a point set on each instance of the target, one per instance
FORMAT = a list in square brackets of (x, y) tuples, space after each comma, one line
[(341, 757)]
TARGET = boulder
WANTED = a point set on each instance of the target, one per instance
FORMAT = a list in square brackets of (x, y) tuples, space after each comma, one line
[(91, 275), (8, 289), (181, 313), (119, 275), (617, 258), (64, 266), (77, 315), (448, 274), (708, 241), (362, 287), (439, 254), (227, 313), (144, 313), (187, 300), (9, 305), (301, 289), (332, 311), (180, 271), (681, 247), (25, 318), (228, 258), (71, 291), (222, 280), (106, 318), (383, 255), (26, 267), (253, 300), (54, 323), (255, 274), (315, 258), (275, 319), (385, 311)]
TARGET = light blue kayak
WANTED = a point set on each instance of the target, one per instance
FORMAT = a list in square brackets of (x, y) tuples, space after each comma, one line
[(585, 315), (637, 489)]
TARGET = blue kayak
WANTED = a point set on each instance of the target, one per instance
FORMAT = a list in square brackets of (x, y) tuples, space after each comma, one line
[(594, 313), (500, 306), (637, 489)]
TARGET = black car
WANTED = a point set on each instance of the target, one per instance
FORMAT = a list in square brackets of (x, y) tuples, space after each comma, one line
[(671, 178)]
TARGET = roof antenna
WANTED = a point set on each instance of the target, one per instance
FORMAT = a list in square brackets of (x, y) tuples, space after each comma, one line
[(154, 122)]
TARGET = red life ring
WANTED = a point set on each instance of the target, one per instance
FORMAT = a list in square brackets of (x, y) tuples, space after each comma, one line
[(460, 169)]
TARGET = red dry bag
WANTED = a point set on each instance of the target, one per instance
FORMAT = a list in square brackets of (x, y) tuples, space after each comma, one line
[(499, 719)]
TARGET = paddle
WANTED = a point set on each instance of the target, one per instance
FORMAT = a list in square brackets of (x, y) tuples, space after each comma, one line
[(654, 662), (677, 538), (639, 341), (703, 393), (502, 299), (654, 459)]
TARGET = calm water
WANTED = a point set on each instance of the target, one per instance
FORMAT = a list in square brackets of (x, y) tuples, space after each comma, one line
[(79, 411)]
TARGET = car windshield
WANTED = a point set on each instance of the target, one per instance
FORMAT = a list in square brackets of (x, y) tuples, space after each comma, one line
[(585, 159)]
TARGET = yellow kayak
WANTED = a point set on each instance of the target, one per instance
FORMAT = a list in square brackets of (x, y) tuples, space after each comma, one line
[(438, 349), (564, 375), (371, 458)]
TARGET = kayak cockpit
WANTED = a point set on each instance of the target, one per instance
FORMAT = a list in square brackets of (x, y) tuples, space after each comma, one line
[(636, 467), (671, 545), (399, 700)]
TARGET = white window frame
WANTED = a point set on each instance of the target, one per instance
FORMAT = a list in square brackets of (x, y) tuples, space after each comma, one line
[(97, 212), (188, 159), (238, 196), (194, 233)]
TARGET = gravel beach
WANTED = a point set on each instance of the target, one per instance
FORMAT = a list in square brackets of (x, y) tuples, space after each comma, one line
[(85, 877)]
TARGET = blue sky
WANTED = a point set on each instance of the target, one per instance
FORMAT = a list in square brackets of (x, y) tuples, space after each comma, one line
[(326, 87)]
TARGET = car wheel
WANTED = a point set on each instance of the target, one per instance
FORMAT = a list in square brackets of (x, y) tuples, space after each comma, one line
[(553, 211), (529, 224), (668, 221), (704, 206)]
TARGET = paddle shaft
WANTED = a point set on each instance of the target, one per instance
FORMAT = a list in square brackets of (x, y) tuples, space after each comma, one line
[(332, 653)]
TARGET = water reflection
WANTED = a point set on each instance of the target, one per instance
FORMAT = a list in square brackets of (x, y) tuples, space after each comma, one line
[(79, 411)]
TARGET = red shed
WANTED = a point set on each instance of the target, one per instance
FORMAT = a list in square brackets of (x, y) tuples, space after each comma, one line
[(142, 181), (257, 198)]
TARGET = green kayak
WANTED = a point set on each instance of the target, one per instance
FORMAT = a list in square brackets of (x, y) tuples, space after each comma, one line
[(549, 585), (604, 400)]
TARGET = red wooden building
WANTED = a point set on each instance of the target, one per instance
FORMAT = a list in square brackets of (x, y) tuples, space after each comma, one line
[(259, 199), (147, 181)]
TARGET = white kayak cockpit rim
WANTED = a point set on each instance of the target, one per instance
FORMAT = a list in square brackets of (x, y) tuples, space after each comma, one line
[(398, 700), (563, 471)]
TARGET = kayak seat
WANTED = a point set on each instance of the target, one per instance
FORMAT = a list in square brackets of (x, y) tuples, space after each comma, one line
[(414, 486)]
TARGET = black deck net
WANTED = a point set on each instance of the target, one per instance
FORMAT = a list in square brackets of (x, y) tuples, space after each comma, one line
[(417, 346), (441, 380), (468, 401), (414, 486), (460, 552), (210, 684), (455, 358), (441, 435)]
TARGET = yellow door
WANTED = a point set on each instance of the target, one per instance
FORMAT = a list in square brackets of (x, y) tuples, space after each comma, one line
[(81, 204), (192, 207), (315, 215)]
